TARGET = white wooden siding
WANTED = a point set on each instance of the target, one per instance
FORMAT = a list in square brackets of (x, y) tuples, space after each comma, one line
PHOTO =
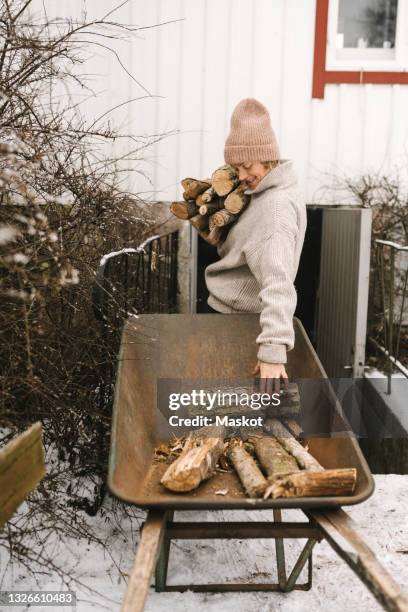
[(219, 52)]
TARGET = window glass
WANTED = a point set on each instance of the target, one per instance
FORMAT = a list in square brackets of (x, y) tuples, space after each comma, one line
[(367, 24)]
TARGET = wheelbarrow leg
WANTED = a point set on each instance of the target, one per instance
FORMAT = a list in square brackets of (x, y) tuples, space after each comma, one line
[(288, 584), (163, 561), (148, 551), (280, 553)]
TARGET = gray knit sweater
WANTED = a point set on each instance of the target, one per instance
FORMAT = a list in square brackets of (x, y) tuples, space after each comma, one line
[(259, 261)]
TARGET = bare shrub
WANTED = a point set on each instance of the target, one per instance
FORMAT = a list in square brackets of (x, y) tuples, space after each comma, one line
[(62, 207)]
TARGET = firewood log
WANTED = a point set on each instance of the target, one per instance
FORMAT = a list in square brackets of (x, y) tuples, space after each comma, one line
[(200, 222), (195, 464), (211, 223), (193, 188), (223, 217), (292, 446), (210, 208), (184, 210), (274, 459), (208, 195), (249, 473), (213, 237), (294, 428), (224, 180), (313, 484), (236, 200)]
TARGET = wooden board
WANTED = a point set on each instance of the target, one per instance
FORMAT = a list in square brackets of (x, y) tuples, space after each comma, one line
[(21, 469)]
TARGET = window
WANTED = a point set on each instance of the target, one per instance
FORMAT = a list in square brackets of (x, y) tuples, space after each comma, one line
[(360, 41)]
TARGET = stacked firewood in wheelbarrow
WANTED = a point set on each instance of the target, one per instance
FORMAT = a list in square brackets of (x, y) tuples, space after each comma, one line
[(212, 205), (271, 463)]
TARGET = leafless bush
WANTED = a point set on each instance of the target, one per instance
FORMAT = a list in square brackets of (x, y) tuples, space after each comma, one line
[(62, 207), (387, 196)]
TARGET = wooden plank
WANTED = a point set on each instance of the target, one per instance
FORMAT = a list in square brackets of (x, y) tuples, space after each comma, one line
[(340, 532), (21, 469), (147, 555)]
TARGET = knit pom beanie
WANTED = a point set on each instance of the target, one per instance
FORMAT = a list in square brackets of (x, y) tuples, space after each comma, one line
[(251, 136)]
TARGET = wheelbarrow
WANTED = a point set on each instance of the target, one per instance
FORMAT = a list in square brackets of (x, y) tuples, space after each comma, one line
[(177, 346)]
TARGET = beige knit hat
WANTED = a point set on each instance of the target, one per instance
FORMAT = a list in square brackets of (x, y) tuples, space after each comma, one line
[(251, 137)]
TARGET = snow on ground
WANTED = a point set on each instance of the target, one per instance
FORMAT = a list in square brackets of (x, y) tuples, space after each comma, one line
[(383, 519)]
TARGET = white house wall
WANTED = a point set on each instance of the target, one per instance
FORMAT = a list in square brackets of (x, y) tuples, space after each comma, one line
[(209, 54)]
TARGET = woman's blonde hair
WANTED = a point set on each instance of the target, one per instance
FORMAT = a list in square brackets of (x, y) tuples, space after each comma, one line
[(269, 165)]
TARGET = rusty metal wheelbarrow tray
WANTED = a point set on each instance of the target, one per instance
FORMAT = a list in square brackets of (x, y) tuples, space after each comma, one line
[(198, 346)]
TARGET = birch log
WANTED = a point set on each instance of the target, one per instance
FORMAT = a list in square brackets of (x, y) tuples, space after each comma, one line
[(274, 459), (249, 473), (194, 465), (304, 459)]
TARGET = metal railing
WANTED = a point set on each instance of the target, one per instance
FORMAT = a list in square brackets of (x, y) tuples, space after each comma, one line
[(130, 282), (137, 280), (386, 252)]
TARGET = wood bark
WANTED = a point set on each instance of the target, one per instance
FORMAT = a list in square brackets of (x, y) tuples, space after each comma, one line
[(193, 188), (274, 459), (313, 484), (249, 473), (294, 428), (304, 459), (200, 222), (184, 210), (214, 235), (195, 464), (211, 223), (224, 180), (211, 237), (237, 200), (223, 217)]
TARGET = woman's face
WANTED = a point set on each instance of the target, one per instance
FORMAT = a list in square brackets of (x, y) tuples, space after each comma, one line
[(251, 172)]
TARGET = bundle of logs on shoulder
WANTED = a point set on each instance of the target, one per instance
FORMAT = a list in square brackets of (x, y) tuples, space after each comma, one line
[(212, 205), (279, 467)]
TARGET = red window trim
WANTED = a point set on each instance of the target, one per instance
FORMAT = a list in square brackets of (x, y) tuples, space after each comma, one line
[(321, 76)]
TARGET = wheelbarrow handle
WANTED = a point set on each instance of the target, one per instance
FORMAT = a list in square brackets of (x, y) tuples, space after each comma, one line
[(341, 533), (148, 550)]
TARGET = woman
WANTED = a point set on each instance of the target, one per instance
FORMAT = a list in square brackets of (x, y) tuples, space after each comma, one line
[(260, 255)]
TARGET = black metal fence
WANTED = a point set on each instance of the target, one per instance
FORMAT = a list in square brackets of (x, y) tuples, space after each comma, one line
[(392, 278), (129, 282)]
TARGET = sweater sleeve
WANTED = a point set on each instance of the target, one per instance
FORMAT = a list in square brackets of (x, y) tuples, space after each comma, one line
[(272, 264)]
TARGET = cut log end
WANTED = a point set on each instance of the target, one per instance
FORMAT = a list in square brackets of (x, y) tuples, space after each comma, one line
[(224, 180)]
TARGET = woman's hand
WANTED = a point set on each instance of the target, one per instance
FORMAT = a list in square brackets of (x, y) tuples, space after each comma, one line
[(270, 375)]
